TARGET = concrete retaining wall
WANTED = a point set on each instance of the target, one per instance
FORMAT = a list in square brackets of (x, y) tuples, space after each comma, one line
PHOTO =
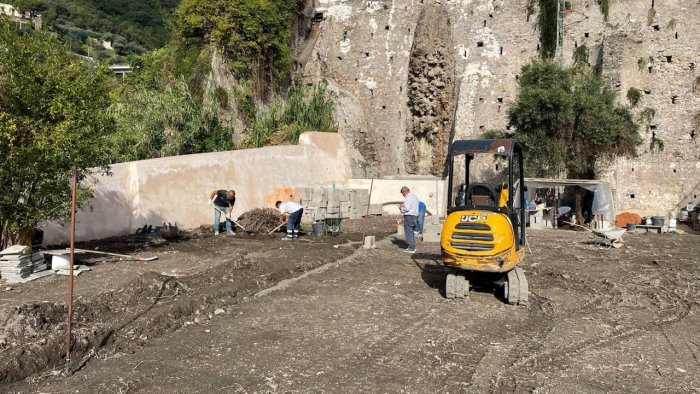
[(176, 189)]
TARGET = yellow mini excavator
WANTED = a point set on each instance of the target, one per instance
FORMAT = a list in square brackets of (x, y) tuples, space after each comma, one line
[(484, 231)]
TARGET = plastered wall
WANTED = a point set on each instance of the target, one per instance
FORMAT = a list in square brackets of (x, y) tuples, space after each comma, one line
[(176, 189)]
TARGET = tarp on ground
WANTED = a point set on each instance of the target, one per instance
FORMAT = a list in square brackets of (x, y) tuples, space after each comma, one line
[(602, 195)]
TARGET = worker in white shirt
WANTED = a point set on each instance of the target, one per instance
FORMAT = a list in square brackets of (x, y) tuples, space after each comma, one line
[(293, 212), (409, 209)]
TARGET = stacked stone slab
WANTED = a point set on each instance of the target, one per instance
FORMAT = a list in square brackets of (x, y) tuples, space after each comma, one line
[(328, 203), (38, 262), (15, 263)]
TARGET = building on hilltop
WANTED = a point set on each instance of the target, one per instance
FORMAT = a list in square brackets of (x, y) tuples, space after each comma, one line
[(20, 17)]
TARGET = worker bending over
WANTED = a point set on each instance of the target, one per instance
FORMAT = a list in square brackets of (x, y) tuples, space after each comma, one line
[(293, 212), (223, 201)]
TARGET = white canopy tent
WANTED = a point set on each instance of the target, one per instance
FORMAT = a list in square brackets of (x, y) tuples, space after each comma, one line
[(602, 195)]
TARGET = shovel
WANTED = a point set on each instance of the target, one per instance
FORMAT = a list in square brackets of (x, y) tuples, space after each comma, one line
[(231, 220), (276, 228)]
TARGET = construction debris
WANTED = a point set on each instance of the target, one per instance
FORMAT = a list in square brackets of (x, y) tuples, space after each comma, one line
[(260, 220)]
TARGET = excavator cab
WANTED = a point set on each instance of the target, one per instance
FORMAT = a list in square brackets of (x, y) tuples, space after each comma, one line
[(484, 230)]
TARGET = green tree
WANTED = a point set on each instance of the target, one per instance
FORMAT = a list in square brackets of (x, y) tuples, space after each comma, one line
[(53, 116), (169, 122), (568, 119), (253, 34)]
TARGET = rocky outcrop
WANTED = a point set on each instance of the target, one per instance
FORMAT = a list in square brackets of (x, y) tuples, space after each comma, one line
[(430, 93)]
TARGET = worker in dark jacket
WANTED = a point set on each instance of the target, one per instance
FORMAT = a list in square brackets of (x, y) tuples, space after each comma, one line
[(223, 201)]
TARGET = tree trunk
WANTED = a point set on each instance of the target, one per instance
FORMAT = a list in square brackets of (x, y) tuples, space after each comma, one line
[(579, 192), (25, 236)]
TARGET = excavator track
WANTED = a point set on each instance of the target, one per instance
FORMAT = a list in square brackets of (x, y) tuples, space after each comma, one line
[(456, 286), (515, 290)]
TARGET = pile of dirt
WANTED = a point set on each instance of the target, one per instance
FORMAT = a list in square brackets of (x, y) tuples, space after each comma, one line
[(260, 220)]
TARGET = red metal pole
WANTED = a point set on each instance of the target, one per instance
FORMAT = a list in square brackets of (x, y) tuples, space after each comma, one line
[(74, 186)]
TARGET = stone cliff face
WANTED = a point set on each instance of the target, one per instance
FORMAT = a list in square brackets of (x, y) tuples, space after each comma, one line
[(431, 74), (399, 67)]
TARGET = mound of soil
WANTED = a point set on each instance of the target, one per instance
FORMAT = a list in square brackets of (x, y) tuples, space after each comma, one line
[(260, 220)]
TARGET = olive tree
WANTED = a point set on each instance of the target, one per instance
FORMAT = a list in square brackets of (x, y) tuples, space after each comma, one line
[(53, 117), (568, 119)]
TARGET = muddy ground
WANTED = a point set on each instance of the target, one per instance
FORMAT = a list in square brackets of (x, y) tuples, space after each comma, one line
[(216, 315)]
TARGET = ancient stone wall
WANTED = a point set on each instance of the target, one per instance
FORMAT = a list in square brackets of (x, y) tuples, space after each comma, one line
[(364, 50)]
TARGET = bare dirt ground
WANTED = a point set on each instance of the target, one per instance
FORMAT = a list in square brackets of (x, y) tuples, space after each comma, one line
[(201, 320)]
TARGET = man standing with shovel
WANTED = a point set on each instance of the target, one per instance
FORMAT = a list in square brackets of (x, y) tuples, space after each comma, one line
[(223, 203)]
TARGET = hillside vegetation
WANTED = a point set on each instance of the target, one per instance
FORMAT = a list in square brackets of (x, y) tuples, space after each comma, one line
[(133, 26)]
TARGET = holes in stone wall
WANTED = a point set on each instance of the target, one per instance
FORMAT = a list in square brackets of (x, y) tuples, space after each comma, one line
[(517, 77), (575, 44), (481, 99), (669, 59), (482, 128), (673, 99), (387, 27), (652, 3), (508, 127), (499, 109), (366, 54), (586, 34), (383, 106), (501, 50), (676, 35), (649, 68), (653, 127), (692, 134), (647, 91), (631, 195), (538, 47), (479, 44), (632, 169), (656, 27), (340, 58), (499, 100), (674, 170), (484, 22), (490, 15), (692, 66)]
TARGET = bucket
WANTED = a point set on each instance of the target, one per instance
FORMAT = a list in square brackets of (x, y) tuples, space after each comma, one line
[(684, 215), (631, 227), (60, 262), (671, 223), (657, 220), (647, 221), (318, 229)]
